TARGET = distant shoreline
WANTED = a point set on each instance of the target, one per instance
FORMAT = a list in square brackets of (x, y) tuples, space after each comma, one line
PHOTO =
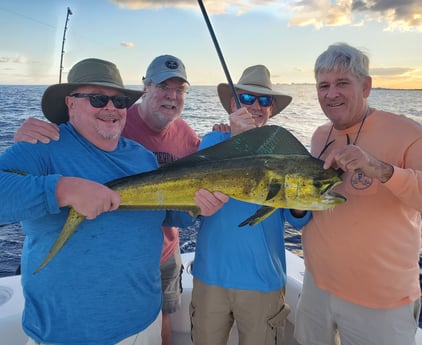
[(200, 85)]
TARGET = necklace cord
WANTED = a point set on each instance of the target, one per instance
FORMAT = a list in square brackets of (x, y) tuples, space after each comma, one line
[(347, 135), (361, 125)]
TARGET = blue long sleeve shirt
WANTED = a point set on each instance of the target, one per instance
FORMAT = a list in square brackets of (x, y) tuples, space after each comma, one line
[(247, 258), (104, 285)]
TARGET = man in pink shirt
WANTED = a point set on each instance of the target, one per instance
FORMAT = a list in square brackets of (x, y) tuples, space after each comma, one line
[(361, 282), (155, 123)]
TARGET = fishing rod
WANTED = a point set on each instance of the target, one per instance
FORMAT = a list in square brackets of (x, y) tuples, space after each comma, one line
[(220, 54), (69, 12)]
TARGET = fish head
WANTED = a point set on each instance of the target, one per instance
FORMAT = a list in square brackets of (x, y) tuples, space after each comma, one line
[(312, 188), (324, 185)]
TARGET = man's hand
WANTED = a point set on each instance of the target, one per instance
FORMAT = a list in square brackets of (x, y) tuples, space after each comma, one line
[(208, 202), (33, 130), (88, 198), (221, 127), (241, 121), (353, 158)]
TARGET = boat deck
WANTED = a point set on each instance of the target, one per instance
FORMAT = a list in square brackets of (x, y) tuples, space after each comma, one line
[(12, 302)]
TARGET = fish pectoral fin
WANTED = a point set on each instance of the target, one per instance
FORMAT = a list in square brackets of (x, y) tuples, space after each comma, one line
[(258, 216), (273, 190)]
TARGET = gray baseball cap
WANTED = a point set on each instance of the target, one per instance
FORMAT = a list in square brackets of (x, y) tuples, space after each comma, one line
[(164, 67)]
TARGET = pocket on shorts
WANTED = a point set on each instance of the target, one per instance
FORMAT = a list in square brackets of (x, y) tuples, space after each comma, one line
[(276, 327)]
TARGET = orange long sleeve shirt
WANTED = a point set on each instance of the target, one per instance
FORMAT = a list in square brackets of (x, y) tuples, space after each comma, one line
[(366, 250)]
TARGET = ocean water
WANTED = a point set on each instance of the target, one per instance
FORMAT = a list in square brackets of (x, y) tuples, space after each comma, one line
[(202, 110)]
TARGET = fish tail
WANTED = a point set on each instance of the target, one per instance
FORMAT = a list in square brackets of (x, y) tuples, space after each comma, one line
[(72, 222)]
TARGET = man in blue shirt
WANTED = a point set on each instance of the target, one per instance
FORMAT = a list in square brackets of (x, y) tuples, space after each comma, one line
[(240, 273), (104, 285)]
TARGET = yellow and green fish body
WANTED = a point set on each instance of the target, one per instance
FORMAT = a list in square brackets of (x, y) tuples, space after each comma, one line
[(279, 181), (266, 166)]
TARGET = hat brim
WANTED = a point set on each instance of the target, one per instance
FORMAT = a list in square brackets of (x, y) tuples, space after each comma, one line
[(280, 101), (53, 100)]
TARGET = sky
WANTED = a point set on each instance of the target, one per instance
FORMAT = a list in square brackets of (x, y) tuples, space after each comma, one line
[(285, 35)]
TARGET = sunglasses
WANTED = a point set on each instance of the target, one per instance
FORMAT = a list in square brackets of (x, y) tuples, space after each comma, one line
[(100, 101), (248, 99)]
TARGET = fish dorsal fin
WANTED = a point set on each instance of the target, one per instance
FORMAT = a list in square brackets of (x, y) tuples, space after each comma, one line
[(263, 140), (276, 140)]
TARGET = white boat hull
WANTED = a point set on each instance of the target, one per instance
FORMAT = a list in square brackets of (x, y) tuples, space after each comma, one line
[(11, 306)]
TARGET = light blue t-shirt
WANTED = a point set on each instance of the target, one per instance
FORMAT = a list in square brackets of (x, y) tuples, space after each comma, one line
[(247, 258), (104, 285)]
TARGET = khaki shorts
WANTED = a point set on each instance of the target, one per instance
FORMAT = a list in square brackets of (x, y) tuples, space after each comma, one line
[(322, 318), (171, 283), (260, 317), (150, 335)]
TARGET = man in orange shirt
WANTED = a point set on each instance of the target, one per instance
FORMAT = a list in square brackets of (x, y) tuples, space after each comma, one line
[(362, 275)]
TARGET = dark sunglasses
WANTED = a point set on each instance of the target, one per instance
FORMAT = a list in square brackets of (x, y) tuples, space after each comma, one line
[(248, 99), (100, 101)]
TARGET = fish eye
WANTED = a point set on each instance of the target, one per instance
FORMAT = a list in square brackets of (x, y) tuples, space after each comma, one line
[(317, 184)]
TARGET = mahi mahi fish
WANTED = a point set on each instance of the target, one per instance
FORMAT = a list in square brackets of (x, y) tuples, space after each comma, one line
[(266, 166)]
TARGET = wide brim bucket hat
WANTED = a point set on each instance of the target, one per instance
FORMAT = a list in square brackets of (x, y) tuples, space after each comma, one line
[(255, 79), (86, 72)]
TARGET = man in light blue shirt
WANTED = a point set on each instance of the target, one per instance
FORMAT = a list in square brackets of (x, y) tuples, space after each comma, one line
[(104, 285), (240, 273)]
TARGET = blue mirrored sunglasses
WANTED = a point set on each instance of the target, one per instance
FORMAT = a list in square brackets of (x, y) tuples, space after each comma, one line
[(248, 99), (100, 101)]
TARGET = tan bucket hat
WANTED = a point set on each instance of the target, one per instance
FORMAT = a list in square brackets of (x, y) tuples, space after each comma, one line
[(254, 79), (86, 72)]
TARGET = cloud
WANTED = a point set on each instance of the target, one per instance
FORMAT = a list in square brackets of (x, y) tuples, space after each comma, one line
[(397, 14), (140, 4), (212, 6), (397, 77), (401, 13), (127, 44), (19, 59), (320, 13), (391, 71)]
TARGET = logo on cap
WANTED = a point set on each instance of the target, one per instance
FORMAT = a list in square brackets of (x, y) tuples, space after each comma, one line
[(171, 64)]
